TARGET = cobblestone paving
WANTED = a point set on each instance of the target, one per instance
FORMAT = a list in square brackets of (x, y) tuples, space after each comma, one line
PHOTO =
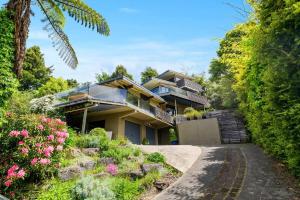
[(230, 172)]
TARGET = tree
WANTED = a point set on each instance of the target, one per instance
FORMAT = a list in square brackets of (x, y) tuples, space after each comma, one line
[(121, 71), (217, 70), (200, 79), (53, 10), (54, 85), (103, 76), (148, 73), (72, 83), (35, 73)]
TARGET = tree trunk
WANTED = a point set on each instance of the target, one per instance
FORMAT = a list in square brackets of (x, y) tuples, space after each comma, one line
[(21, 17)]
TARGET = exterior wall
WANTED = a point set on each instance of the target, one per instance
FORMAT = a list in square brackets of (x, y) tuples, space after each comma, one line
[(180, 109), (199, 132), (116, 124)]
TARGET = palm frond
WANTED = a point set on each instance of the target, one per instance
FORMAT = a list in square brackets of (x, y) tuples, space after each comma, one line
[(54, 27), (88, 17)]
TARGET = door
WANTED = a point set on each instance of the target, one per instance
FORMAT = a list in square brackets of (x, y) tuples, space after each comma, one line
[(150, 135), (132, 132)]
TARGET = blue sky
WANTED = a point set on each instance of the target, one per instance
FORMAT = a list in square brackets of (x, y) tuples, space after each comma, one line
[(165, 34)]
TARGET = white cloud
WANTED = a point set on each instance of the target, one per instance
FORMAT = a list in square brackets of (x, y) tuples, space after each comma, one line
[(135, 55), (128, 10)]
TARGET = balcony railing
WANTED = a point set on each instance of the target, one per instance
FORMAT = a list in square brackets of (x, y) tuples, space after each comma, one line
[(189, 85), (161, 114), (114, 95)]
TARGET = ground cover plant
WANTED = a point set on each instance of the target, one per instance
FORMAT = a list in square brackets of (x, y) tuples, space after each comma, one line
[(108, 169)]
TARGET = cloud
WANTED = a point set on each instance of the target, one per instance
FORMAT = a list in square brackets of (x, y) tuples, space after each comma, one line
[(135, 55), (128, 10)]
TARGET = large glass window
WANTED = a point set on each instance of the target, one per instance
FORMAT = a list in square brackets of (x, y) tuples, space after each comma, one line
[(132, 99)]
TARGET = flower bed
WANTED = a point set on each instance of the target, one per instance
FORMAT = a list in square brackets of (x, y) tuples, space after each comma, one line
[(30, 149)]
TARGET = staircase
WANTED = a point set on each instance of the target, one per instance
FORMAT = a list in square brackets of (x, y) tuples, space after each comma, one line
[(231, 126)]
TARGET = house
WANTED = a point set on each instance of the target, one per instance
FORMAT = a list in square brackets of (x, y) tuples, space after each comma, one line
[(128, 109)]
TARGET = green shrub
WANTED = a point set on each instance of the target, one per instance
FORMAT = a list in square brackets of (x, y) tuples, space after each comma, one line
[(148, 181), (172, 135), (145, 141), (118, 153), (125, 189), (56, 190), (89, 188), (191, 113), (31, 145), (96, 138), (156, 157)]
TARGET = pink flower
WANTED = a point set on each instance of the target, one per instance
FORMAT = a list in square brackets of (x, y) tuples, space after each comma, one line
[(8, 183), (14, 133), (34, 161), (24, 151), (21, 173), (11, 172), (62, 134), (40, 127), (48, 151), (58, 121), (24, 133), (59, 148), (50, 137), (38, 144), (44, 119), (44, 161), (21, 143), (60, 140), (112, 169)]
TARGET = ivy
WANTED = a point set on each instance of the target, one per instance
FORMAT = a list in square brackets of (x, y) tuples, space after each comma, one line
[(8, 81)]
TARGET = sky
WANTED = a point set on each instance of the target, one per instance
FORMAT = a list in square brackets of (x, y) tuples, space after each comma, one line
[(180, 35)]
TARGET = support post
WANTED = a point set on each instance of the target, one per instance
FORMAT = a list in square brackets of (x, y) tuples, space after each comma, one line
[(84, 121), (175, 108)]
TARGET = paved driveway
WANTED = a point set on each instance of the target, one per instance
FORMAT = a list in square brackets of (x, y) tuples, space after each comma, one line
[(231, 172), (182, 157)]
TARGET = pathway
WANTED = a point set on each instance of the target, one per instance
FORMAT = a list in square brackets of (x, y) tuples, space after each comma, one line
[(230, 172)]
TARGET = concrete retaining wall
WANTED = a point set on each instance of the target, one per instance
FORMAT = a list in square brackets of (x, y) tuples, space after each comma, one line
[(199, 132)]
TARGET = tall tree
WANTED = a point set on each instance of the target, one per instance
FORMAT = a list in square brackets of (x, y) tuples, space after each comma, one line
[(53, 10), (103, 76), (148, 73), (121, 71), (35, 73), (54, 85)]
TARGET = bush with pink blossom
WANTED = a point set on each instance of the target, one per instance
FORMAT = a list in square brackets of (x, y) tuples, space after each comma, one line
[(30, 147)]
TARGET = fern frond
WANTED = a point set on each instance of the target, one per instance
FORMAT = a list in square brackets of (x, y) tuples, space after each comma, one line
[(85, 15), (54, 27)]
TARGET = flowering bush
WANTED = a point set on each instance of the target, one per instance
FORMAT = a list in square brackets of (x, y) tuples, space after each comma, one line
[(30, 146), (112, 169)]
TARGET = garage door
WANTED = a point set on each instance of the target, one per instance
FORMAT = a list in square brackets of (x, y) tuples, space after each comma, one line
[(150, 134), (132, 132)]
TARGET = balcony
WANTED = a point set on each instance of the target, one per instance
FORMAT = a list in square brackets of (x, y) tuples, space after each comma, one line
[(113, 95), (189, 85)]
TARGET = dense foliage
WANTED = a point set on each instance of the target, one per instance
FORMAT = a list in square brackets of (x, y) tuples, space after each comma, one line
[(30, 150), (52, 86), (119, 71), (147, 74), (8, 82), (262, 58), (35, 73)]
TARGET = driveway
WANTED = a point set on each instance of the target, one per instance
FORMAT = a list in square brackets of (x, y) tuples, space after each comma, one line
[(182, 157), (231, 172)]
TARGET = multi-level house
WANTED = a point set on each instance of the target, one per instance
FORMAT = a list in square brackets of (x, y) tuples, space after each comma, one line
[(127, 109)]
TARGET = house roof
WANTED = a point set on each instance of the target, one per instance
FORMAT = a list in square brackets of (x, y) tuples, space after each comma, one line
[(126, 83), (170, 74), (154, 82)]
